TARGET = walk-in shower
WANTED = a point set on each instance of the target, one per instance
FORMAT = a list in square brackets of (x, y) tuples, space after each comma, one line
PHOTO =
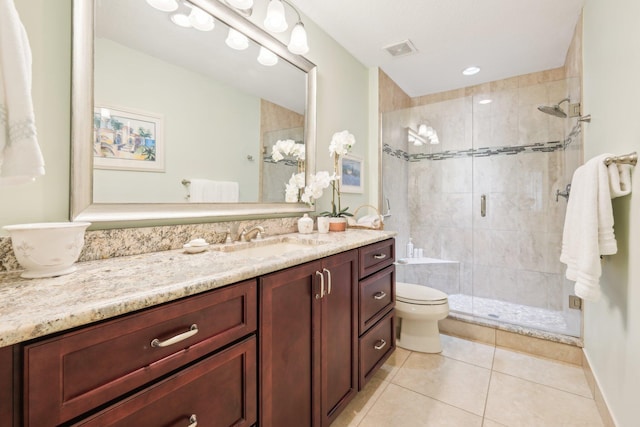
[(482, 204)]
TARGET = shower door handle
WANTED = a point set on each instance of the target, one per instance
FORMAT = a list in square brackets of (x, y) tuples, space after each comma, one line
[(483, 205)]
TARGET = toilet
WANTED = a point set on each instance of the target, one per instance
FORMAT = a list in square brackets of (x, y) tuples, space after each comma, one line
[(420, 308)]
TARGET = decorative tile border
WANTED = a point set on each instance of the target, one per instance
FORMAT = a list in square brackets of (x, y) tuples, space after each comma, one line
[(543, 147)]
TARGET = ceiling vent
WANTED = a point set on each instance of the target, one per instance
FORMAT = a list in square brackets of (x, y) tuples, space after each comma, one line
[(402, 48)]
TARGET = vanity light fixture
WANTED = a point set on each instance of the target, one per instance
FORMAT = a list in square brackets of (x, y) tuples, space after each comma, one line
[(275, 20), (181, 20), (415, 138), (240, 4), (485, 101), (201, 20), (470, 71), (236, 40), (164, 5), (266, 57), (425, 133)]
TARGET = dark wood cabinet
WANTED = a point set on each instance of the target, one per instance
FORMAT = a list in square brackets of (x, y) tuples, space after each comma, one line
[(289, 348), (308, 342), (219, 391), (7, 392), (377, 296), (76, 372)]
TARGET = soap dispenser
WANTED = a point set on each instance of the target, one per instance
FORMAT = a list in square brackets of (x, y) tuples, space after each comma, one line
[(305, 225), (410, 248)]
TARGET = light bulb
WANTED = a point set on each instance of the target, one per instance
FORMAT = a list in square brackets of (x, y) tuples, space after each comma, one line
[(164, 5), (275, 20), (266, 57), (241, 4), (236, 40), (200, 19), (181, 20), (298, 43)]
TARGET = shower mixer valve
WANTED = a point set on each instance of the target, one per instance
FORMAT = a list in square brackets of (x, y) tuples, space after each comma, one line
[(564, 193)]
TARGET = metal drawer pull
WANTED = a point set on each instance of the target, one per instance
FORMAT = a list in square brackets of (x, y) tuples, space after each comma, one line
[(379, 295), (380, 345), (180, 337), (380, 256), (328, 280), (193, 421), (321, 285)]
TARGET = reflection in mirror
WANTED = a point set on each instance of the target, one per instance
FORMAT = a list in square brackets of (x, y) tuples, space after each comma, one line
[(173, 108), (180, 102)]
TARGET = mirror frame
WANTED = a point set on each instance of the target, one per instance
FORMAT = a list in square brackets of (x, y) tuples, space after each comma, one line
[(104, 215)]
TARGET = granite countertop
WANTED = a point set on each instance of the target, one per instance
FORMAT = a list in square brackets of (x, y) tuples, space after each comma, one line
[(32, 308)]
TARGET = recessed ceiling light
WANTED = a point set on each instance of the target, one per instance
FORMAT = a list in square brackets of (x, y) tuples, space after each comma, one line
[(470, 71), (485, 101)]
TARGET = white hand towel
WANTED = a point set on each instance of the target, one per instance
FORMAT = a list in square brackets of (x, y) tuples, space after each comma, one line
[(20, 157), (588, 227), (208, 191)]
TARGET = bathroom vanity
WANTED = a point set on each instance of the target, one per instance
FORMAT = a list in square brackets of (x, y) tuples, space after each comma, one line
[(214, 338)]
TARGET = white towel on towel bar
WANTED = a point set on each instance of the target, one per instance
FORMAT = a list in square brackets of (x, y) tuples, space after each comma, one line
[(588, 226), (209, 191), (20, 157)]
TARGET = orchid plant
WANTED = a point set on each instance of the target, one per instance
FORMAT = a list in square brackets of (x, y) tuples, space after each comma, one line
[(341, 144), (287, 147), (296, 190)]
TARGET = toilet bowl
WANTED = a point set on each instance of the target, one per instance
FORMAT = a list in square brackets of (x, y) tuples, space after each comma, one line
[(420, 308)]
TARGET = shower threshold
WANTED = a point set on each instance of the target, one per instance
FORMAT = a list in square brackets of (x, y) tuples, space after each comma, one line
[(525, 319)]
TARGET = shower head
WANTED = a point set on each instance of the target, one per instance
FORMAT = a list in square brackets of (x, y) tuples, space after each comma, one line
[(555, 110)]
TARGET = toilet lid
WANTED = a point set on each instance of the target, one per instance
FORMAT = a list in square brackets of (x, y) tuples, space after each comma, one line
[(417, 294)]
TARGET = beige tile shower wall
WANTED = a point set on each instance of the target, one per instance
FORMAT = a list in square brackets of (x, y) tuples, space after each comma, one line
[(391, 96)]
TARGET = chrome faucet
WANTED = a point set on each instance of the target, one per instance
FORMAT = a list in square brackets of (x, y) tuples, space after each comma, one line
[(245, 235)]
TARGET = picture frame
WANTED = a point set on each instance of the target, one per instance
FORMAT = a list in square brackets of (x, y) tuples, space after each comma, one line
[(127, 139), (351, 174)]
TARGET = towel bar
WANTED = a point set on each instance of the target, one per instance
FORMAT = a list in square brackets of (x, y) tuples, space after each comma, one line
[(627, 159)]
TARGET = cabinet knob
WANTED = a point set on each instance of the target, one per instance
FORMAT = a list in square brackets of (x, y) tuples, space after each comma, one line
[(380, 344), (380, 256), (176, 339), (193, 421), (379, 295)]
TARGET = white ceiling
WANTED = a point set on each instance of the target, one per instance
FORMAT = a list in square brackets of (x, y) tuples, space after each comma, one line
[(505, 38)]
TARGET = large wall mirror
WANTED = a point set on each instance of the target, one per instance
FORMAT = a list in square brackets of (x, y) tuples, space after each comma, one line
[(171, 124)]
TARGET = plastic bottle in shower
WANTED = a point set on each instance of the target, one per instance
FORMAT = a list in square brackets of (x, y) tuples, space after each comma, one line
[(410, 248)]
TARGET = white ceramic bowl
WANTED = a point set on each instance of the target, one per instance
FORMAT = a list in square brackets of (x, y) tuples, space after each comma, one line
[(47, 249)]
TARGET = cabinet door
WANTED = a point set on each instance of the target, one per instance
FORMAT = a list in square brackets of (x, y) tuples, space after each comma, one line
[(6, 387), (218, 391), (339, 334), (289, 347)]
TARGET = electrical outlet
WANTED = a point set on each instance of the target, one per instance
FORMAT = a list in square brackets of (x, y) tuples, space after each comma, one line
[(575, 302)]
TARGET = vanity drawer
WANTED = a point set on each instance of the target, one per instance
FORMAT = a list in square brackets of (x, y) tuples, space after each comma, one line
[(375, 347), (80, 370), (376, 256), (377, 296), (219, 391)]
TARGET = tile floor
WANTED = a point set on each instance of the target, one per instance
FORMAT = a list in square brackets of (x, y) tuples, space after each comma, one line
[(472, 384)]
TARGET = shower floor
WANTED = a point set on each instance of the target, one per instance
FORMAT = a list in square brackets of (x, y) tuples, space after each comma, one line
[(531, 317)]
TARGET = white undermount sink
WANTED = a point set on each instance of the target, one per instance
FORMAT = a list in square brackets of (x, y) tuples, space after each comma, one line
[(270, 247)]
